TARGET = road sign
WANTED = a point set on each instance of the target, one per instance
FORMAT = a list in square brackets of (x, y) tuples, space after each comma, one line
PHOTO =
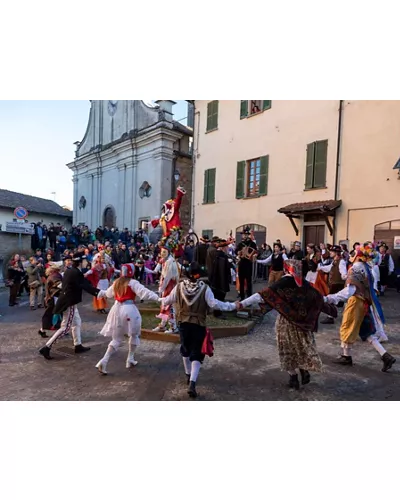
[(19, 228), (21, 213)]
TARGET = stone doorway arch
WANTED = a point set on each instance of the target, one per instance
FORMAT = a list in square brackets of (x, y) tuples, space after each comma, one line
[(260, 233), (109, 217)]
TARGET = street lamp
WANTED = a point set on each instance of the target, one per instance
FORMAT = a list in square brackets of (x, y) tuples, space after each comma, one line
[(177, 175)]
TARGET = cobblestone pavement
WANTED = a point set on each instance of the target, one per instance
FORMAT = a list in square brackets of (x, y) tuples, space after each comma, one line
[(243, 369)]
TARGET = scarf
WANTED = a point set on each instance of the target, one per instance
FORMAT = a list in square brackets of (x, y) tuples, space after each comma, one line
[(301, 305), (295, 269), (191, 291)]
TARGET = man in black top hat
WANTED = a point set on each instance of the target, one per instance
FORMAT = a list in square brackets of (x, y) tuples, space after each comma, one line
[(71, 294), (200, 252), (244, 250)]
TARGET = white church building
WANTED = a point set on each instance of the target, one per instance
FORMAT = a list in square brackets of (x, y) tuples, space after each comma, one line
[(130, 161)]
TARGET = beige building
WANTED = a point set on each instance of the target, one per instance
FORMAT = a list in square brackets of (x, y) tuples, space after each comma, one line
[(309, 170)]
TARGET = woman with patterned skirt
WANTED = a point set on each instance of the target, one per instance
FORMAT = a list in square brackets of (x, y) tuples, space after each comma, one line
[(299, 306)]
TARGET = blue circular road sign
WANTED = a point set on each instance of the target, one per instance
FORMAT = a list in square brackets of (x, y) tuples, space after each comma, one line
[(21, 213)]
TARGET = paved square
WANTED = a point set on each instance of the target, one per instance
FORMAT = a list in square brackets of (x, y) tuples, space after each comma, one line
[(243, 368)]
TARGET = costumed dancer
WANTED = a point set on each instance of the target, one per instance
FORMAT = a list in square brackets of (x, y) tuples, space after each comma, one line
[(277, 260), (357, 316), (168, 280), (192, 298), (376, 308), (71, 295), (310, 264), (124, 317), (386, 267), (51, 321), (98, 277), (246, 250), (337, 275), (299, 306)]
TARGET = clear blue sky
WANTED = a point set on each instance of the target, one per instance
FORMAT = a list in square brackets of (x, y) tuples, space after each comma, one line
[(36, 141)]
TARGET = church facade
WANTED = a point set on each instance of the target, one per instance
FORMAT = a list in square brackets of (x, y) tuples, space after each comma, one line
[(130, 161)]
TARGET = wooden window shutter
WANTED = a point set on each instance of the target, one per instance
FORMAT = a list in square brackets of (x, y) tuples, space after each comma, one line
[(205, 197), (321, 155), (212, 115), (240, 179), (209, 115), (215, 116), (263, 190), (211, 186), (244, 109), (310, 166), (266, 105)]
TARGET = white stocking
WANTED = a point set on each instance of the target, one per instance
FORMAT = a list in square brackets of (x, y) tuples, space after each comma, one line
[(346, 349), (377, 345), (196, 365), (106, 358), (188, 365)]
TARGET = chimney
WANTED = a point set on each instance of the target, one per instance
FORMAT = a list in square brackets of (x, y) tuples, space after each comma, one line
[(166, 106)]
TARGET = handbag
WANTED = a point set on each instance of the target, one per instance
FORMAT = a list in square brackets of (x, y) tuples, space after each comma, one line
[(208, 344)]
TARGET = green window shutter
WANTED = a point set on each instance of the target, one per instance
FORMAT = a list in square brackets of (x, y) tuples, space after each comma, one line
[(264, 175), (208, 232), (310, 166), (209, 115), (205, 197), (321, 156), (215, 117), (211, 186), (240, 179), (266, 105), (212, 115), (244, 109)]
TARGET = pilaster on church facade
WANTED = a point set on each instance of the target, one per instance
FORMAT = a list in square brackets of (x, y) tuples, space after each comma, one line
[(125, 166)]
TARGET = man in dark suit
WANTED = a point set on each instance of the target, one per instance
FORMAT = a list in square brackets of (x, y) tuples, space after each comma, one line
[(71, 295), (244, 251)]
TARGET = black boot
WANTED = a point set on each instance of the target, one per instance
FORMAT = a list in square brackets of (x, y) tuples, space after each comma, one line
[(344, 361), (43, 334), (305, 377), (45, 352), (192, 390), (328, 321), (294, 382), (187, 379), (79, 349), (388, 361)]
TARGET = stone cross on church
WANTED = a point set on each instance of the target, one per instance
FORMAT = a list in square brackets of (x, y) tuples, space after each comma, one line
[(131, 160)]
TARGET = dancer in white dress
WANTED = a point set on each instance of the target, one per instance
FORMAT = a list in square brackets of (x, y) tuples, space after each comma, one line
[(124, 318)]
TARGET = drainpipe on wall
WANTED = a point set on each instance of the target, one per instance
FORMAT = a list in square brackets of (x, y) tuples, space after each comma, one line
[(338, 164), (194, 155)]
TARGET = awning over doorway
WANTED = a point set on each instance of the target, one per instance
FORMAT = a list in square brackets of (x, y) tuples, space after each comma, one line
[(325, 209)]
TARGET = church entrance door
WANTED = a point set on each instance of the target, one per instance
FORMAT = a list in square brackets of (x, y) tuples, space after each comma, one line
[(109, 218)]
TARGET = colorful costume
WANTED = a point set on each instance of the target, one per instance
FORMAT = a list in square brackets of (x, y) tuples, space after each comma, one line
[(170, 222), (192, 299), (95, 276), (299, 306), (358, 317), (169, 278), (124, 318)]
